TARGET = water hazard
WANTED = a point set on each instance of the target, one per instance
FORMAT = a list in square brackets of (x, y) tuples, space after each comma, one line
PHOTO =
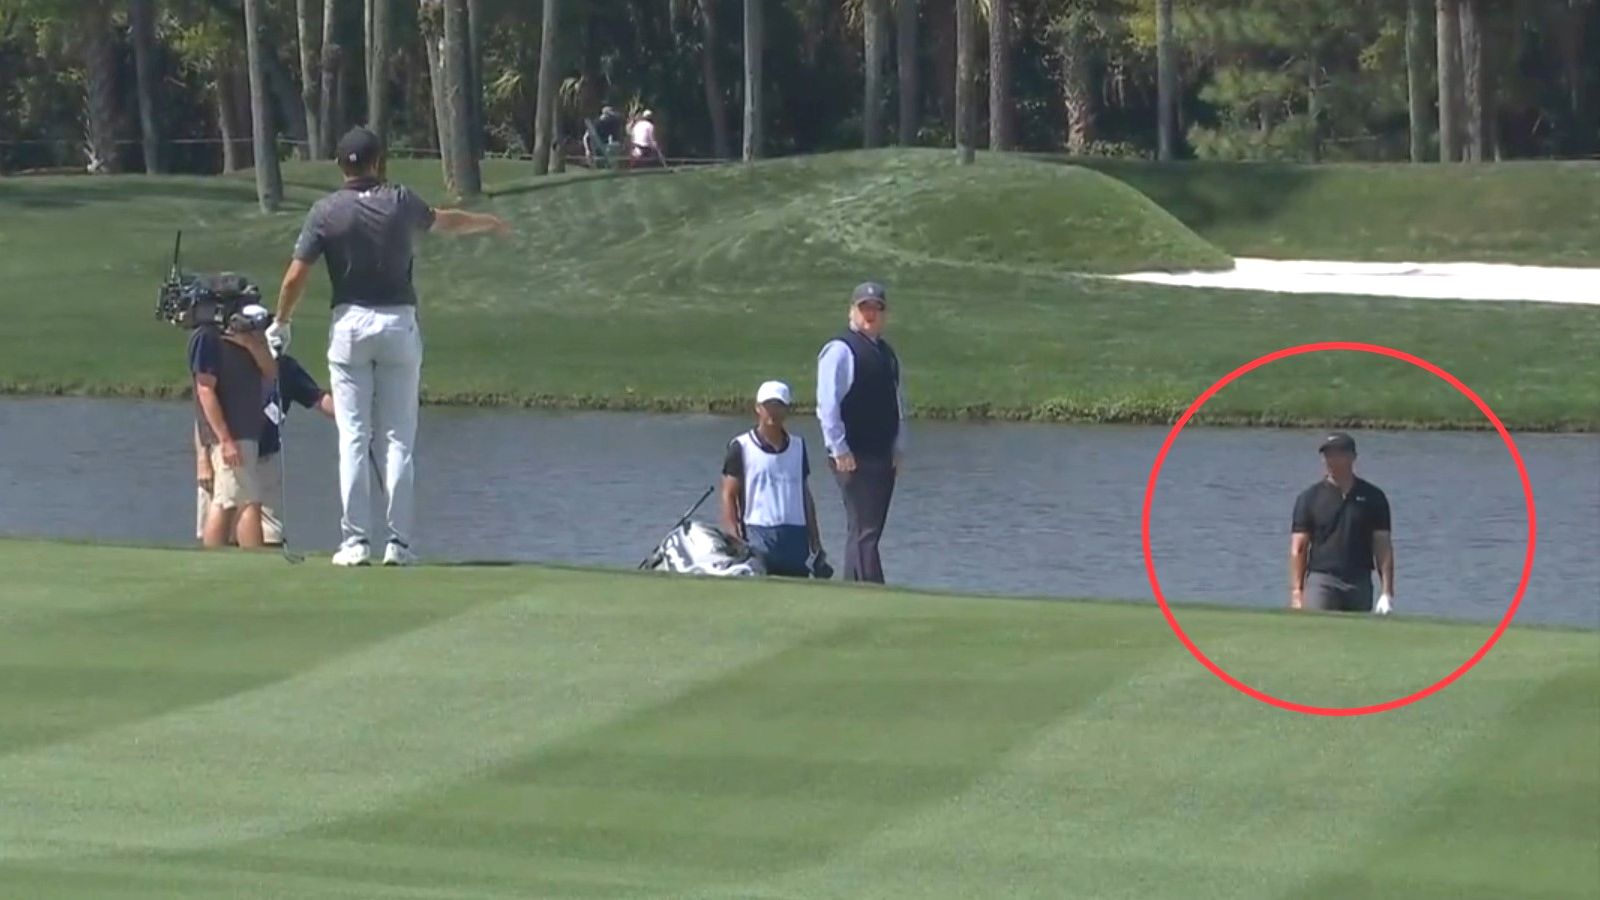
[(1038, 510)]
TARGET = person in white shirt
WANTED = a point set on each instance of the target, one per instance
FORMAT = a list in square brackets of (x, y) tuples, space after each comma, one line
[(642, 136), (766, 498)]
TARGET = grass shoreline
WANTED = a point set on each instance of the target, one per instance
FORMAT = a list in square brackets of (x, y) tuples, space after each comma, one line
[(1048, 413)]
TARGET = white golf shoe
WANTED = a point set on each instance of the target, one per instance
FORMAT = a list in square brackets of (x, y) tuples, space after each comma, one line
[(353, 555), (398, 554)]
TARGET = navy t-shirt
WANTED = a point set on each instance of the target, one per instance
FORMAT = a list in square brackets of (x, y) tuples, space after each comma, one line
[(298, 387), (240, 388)]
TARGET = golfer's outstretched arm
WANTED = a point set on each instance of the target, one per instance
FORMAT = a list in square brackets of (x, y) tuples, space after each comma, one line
[(459, 221)]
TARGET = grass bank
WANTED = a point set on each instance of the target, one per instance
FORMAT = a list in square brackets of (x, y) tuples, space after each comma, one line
[(682, 291), (182, 725), (1532, 213)]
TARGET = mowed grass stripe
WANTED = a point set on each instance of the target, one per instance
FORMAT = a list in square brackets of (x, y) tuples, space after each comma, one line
[(622, 735)]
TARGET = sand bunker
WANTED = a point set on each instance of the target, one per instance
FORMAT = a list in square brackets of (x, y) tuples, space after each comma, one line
[(1445, 281)]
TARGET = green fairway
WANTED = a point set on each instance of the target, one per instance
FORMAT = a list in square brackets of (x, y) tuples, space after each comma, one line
[(683, 291), (1534, 213), (177, 725)]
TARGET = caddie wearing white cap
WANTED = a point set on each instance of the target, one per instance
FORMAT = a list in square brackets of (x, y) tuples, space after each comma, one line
[(766, 498)]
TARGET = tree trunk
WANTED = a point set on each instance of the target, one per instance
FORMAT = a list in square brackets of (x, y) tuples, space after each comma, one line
[(713, 85), (907, 58), (1447, 12), (1474, 81), (1417, 76), (480, 134), (269, 180), (1166, 81), (100, 61), (430, 22), (545, 116), (308, 77), (378, 69), (458, 77), (1575, 67), (226, 118), (558, 159), (966, 109), (142, 31), (753, 87), (873, 54), (1077, 89), (1000, 129), (330, 68)]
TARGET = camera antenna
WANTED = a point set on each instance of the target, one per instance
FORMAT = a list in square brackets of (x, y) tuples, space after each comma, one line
[(177, 247)]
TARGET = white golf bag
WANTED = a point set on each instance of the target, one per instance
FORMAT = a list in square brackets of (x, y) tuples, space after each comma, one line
[(695, 548)]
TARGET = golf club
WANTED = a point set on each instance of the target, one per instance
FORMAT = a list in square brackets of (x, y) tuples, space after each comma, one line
[(681, 519), (283, 478)]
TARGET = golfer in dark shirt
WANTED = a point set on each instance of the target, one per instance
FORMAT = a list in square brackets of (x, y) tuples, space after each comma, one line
[(1340, 534), (366, 232), (862, 409)]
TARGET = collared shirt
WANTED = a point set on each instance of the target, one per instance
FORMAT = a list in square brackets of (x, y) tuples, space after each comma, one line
[(836, 372), (1341, 526), (367, 230)]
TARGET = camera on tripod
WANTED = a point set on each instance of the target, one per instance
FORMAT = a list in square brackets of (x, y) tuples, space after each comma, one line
[(190, 300)]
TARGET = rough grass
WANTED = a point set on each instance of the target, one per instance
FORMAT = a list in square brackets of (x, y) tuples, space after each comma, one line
[(176, 725), (683, 291), (1534, 213)]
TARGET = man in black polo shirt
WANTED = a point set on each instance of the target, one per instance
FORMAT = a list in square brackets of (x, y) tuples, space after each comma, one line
[(862, 409), (1340, 532), (367, 231)]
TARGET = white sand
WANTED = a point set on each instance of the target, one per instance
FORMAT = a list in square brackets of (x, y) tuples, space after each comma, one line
[(1452, 281)]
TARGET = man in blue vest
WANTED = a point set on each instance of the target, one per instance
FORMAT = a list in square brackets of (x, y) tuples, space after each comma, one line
[(862, 408)]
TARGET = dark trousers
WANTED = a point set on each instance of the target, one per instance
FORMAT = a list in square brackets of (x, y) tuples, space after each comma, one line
[(1337, 593), (867, 492)]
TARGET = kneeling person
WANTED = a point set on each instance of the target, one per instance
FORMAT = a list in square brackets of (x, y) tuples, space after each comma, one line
[(766, 498)]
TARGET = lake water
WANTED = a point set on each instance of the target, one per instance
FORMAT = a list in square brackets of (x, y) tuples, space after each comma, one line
[(1002, 508)]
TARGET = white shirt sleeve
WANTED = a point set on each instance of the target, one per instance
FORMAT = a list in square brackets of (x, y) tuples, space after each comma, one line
[(835, 373)]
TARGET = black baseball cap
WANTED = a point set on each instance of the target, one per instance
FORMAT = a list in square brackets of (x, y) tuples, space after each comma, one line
[(1339, 441), (360, 147), (867, 292)]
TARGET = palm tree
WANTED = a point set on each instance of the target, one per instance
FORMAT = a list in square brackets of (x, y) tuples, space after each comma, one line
[(331, 54), (458, 77), (305, 34), (1166, 80), (906, 12), (475, 75), (1450, 95), (378, 66), (142, 31), (1416, 84), (269, 180), (966, 109), (100, 67), (545, 116), (706, 11), (874, 52), (430, 22), (753, 39), (1475, 81), (1000, 129)]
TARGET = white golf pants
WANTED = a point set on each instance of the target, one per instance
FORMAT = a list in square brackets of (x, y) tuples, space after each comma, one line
[(375, 370)]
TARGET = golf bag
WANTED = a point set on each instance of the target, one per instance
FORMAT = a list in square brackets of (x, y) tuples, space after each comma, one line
[(695, 548)]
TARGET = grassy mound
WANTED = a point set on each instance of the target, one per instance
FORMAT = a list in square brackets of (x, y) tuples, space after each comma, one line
[(182, 725), (1535, 213), (683, 291)]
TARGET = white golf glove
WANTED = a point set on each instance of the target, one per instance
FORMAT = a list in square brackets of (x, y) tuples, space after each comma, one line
[(278, 337), (1384, 605)]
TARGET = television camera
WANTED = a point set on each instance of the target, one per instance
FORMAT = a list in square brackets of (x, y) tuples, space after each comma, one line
[(226, 300)]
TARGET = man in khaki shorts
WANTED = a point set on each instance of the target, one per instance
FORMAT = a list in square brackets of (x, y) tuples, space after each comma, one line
[(297, 386), (232, 374)]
